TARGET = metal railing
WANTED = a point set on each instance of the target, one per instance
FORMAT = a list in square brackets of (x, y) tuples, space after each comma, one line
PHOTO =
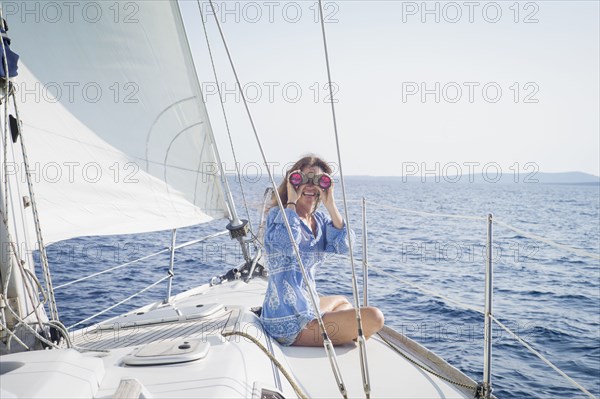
[(487, 311), (169, 277)]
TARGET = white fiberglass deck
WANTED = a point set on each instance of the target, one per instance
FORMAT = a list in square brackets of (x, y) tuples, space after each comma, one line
[(230, 367)]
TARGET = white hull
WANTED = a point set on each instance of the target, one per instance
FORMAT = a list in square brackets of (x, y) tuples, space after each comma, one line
[(232, 367)]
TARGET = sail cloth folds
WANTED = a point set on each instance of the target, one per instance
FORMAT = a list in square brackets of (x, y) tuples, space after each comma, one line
[(114, 121)]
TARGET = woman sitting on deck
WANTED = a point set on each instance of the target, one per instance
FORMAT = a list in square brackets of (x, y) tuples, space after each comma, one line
[(287, 313)]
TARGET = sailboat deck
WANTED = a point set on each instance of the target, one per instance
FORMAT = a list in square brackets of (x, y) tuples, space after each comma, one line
[(123, 336), (236, 367), (178, 350)]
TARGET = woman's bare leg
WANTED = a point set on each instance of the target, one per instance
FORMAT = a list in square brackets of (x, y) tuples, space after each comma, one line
[(341, 327), (333, 303)]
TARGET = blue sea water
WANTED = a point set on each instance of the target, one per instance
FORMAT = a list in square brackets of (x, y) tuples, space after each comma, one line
[(549, 297)]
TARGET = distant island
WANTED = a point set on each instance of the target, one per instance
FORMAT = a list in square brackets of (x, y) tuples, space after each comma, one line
[(579, 178)]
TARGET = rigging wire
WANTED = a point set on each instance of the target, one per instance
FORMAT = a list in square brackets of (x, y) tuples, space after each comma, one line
[(235, 162), (326, 341), (364, 365), (236, 223)]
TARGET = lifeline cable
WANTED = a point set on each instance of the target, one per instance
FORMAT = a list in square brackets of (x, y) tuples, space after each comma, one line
[(89, 276), (118, 303), (547, 241)]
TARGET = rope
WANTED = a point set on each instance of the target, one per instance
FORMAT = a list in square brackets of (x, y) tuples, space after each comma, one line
[(326, 341), (545, 240), (397, 350), (28, 327), (37, 282), (7, 279), (377, 269), (541, 357), (63, 330), (36, 219), (13, 335), (11, 310), (235, 162), (119, 303), (29, 290), (364, 365), (281, 368)]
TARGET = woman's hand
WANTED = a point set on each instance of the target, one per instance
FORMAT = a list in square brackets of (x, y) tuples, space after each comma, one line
[(292, 192), (328, 199)]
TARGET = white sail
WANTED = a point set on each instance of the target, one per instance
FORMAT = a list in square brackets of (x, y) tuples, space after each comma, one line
[(120, 140)]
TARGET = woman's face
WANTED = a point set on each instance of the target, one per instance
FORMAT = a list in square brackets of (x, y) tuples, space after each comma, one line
[(309, 193)]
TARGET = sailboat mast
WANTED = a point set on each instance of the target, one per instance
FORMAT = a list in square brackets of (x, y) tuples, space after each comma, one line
[(20, 305), (238, 228)]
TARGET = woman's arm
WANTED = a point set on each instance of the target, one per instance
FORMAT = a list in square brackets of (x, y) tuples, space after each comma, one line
[(336, 240)]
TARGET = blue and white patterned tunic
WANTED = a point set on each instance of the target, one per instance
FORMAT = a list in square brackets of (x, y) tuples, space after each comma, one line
[(287, 306)]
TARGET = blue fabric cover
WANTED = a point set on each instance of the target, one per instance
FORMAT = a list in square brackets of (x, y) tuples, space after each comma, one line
[(12, 57)]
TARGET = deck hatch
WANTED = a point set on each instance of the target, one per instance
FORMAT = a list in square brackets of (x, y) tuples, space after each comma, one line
[(168, 352)]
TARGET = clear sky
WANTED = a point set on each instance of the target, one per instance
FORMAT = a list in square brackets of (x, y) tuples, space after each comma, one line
[(443, 86)]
